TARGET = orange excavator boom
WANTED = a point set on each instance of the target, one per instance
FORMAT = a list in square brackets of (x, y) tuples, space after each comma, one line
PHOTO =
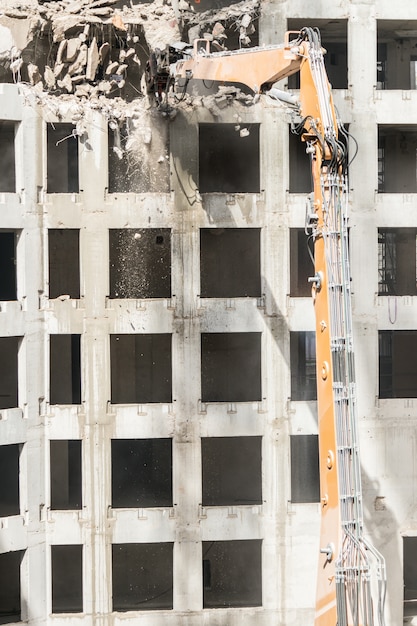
[(351, 572)]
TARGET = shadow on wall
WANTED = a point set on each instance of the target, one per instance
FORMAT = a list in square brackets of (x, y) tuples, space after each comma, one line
[(381, 527), (381, 524)]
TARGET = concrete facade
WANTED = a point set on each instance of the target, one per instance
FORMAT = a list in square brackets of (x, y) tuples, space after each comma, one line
[(281, 589)]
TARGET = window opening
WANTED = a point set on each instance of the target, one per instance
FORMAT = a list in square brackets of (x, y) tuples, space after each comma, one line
[(396, 58), (232, 470), (410, 576), (141, 370), (334, 40), (62, 158), (7, 156), (305, 481), (397, 259), (219, 146), (397, 364), (231, 367), (141, 473), (397, 158), (65, 369), (301, 263), (8, 288), (9, 347), (67, 578), (66, 477), (413, 72), (303, 365), (10, 594), (230, 262), (142, 576), (140, 263), (9, 485), (64, 262), (232, 573)]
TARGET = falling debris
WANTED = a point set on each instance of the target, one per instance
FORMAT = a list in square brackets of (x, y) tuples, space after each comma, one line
[(93, 60), (75, 56)]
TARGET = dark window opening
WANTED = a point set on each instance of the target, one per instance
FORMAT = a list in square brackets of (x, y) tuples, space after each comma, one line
[(396, 54), (232, 470), (301, 263), (9, 484), (141, 473), (67, 578), (334, 41), (64, 262), (65, 369), (141, 369), (303, 365), (305, 478), (66, 478), (124, 167), (140, 263), (397, 159), (9, 347), (142, 576), (7, 157), (135, 150), (397, 364), (397, 259), (231, 367), (300, 179), (62, 158), (229, 160), (230, 261), (232, 573), (10, 598), (410, 576), (8, 289)]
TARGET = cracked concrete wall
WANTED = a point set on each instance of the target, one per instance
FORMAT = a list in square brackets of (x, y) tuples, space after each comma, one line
[(170, 198)]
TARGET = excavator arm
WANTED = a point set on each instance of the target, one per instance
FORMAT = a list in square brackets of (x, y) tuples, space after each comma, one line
[(246, 66), (346, 592)]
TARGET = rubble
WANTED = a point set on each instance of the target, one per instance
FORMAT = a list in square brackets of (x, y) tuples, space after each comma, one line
[(83, 54), (93, 60), (106, 38)]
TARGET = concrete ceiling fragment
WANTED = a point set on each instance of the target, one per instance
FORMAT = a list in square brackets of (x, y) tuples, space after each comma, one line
[(94, 52)]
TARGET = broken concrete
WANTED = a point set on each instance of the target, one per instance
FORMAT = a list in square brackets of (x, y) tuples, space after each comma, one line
[(109, 61)]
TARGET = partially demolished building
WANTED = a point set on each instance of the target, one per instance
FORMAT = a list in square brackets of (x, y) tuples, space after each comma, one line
[(158, 423)]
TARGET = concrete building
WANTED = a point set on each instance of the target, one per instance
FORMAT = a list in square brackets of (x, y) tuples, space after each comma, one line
[(158, 423)]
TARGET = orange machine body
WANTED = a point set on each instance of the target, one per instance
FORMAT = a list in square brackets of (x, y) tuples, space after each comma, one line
[(254, 67)]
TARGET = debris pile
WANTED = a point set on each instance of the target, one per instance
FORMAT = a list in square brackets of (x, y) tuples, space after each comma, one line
[(72, 57), (229, 27), (100, 47)]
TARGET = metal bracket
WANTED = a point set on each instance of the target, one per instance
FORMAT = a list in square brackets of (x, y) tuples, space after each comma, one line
[(328, 551), (316, 280)]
